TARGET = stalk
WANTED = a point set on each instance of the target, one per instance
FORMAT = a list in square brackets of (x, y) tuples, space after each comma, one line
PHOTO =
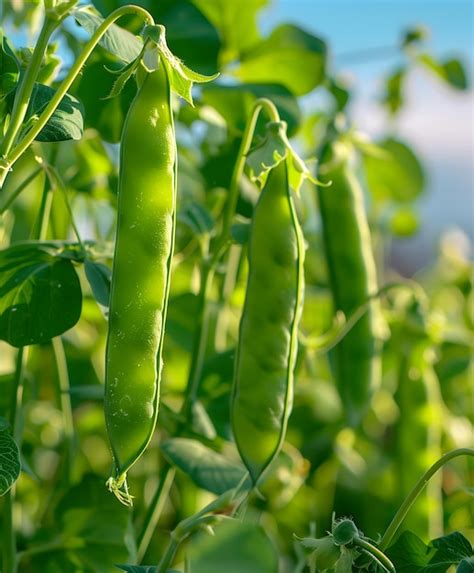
[(9, 157), (154, 512), (209, 266), (415, 492)]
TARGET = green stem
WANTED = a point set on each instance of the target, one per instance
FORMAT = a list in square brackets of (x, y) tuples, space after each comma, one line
[(61, 91), (227, 288), (209, 266), (415, 492), (64, 399), (245, 144), (169, 554), (375, 551), (200, 339), (23, 185), (154, 512), (27, 83), (9, 537)]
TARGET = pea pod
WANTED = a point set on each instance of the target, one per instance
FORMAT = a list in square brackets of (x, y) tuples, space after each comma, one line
[(418, 433), (141, 273), (266, 354), (352, 277)]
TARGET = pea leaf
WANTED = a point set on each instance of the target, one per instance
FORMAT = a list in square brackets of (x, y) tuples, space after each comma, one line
[(99, 277), (67, 121), (286, 57), (397, 176), (191, 36), (8, 66), (208, 469), (91, 531), (450, 71), (236, 22), (116, 40), (104, 114), (9, 458), (235, 547), (197, 218), (393, 96), (40, 295), (240, 233), (409, 553)]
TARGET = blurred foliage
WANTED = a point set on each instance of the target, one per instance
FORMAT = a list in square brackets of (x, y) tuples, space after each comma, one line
[(61, 502)]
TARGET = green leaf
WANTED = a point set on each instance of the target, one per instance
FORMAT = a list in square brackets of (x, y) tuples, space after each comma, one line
[(340, 92), (40, 295), (99, 277), (345, 561), (270, 151), (9, 458), (234, 103), (274, 148), (236, 23), (191, 36), (398, 176), (240, 233), (103, 114), (9, 67), (450, 71), (289, 56), (410, 555), (116, 40), (235, 547), (201, 424), (393, 96), (92, 530), (415, 35), (208, 469), (181, 77), (466, 566), (67, 121), (197, 218)]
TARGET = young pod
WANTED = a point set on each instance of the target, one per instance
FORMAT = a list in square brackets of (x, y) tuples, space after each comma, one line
[(352, 278), (266, 353), (141, 272)]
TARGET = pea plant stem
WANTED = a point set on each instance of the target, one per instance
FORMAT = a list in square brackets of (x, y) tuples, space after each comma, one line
[(415, 492), (9, 537), (26, 85), (154, 512), (64, 400), (209, 266), (10, 557), (9, 157)]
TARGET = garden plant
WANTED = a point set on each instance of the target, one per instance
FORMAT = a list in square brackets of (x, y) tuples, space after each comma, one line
[(208, 362)]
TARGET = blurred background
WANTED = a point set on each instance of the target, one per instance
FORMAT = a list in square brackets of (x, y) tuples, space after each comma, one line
[(437, 121)]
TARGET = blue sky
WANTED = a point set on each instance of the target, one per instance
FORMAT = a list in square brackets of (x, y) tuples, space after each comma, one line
[(437, 121)]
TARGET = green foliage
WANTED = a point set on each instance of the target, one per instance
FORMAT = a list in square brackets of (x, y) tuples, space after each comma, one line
[(196, 508)]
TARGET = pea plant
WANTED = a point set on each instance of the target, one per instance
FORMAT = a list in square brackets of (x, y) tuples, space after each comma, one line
[(208, 360)]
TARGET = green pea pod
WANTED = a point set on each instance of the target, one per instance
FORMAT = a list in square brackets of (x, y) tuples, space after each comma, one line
[(418, 434), (141, 274), (352, 277), (266, 354)]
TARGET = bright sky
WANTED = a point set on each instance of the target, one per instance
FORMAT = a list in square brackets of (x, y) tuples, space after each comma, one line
[(437, 121)]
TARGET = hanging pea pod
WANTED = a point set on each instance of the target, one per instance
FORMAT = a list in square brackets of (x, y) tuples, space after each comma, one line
[(352, 278), (142, 259), (266, 354), (418, 431)]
